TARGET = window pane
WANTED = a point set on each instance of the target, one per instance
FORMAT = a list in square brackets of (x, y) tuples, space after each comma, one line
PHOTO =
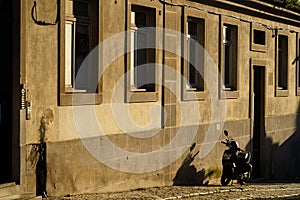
[(140, 19), (132, 60), (141, 59), (68, 53), (282, 62), (228, 64), (82, 50), (298, 62), (141, 44), (82, 44), (193, 59), (230, 56), (192, 28), (259, 37), (80, 8)]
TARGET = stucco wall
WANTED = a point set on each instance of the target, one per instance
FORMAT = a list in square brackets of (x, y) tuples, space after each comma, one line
[(70, 167)]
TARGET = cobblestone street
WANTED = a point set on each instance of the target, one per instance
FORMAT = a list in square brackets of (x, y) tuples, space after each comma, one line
[(249, 191)]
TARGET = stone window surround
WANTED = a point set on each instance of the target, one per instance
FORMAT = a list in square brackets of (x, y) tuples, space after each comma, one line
[(193, 95), (258, 47), (147, 74), (228, 94), (142, 96), (66, 98), (281, 92)]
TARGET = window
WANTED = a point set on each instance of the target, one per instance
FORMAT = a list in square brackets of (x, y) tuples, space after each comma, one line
[(258, 38), (142, 56), (282, 63), (230, 57), (193, 86), (195, 54), (79, 35)]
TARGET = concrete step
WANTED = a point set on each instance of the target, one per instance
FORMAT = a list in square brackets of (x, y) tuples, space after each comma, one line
[(9, 189), (25, 196)]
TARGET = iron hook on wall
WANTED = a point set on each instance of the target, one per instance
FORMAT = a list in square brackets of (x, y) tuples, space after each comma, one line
[(34, 16)]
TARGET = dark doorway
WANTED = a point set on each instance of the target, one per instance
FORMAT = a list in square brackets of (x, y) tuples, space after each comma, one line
[(259, 117), (9, 79)]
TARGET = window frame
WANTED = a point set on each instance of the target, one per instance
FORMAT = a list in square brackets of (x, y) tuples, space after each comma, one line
[(66, 95), (192, 93), (259, 47), (135, 95), (233, 91), (297, 64), (281, 92), (135, 30)]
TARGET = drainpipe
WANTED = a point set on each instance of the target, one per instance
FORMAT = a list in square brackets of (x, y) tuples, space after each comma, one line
[(163, 68)]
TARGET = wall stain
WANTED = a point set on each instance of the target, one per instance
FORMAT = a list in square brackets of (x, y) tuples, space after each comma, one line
[(37, 156)]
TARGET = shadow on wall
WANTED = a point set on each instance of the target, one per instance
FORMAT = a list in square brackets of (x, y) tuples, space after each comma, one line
[(281, 162), (187, 174)]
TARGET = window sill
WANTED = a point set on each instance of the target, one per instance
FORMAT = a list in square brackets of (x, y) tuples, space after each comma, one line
[(282, 93), (69, 90), (77, 99), (298, 92), (259, 47), (133, 89), (229, 94), (194, 95), (141, 97)]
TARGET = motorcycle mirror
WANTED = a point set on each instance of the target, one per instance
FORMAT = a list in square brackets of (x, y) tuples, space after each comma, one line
[(226, 133)]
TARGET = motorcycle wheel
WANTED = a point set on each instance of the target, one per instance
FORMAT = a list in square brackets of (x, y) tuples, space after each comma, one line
[(246, 177), (227, 176), (225, 180)]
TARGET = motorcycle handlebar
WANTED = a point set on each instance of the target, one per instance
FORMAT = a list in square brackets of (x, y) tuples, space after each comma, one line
[(227, 144)]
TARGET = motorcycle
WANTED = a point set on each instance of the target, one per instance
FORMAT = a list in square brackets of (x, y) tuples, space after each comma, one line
[(236, 162)]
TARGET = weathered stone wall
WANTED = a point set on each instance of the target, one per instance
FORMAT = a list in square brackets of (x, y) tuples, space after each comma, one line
[(73, 169)]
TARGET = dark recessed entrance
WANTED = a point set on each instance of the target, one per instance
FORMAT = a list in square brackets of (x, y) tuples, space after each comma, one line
[(9, 101), (259, 117)]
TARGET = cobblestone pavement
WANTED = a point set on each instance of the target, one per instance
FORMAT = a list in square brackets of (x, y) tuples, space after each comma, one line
[(249, 191)]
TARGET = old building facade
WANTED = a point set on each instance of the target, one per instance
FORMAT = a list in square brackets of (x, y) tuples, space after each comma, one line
[(77, 125)]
